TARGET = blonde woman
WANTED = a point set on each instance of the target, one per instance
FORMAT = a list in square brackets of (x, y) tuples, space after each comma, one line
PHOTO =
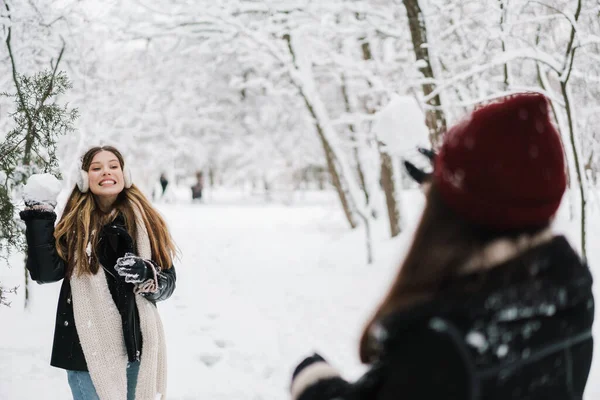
[(114, 253)]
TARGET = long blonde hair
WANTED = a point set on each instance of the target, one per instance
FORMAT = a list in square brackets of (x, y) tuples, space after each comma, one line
[(82, 218)]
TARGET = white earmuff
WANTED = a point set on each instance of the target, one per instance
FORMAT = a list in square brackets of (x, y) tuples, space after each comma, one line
[(127, 180), (83, 181)]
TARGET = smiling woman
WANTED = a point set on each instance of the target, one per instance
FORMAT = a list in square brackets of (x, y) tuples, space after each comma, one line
[(115, 254)]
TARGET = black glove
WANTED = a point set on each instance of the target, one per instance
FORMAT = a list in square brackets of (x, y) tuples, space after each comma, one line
[(133, 269), (114, 242), (429, 153), (417, 174), (315, 358)]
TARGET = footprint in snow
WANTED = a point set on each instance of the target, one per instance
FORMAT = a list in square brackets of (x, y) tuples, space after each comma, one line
[(222, 343), (209, 359)]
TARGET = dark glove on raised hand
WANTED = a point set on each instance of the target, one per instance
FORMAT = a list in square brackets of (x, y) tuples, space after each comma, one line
[(315, 358), (417, 174), (133, 269), (114, 242), (429, 153)]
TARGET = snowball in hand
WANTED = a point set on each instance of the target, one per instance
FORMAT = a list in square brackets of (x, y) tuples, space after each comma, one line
[(42, 188), (400, 125)]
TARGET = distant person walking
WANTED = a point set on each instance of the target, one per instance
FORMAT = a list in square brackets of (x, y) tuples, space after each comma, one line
[(164, 182), (198, 186)]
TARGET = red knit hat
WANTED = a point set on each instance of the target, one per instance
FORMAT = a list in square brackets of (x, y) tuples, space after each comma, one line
[(503, 166)]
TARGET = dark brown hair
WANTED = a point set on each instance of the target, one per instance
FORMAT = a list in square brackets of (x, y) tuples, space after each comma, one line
[(82, 217), (442, 245)]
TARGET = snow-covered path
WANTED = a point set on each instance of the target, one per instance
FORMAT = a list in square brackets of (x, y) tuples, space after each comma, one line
[(258, 291), (259, 287)]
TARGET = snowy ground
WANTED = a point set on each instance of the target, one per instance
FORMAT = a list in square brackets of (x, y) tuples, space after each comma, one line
[(259, 287)]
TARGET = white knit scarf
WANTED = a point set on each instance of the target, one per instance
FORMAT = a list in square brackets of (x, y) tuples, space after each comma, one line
[(100, 331)]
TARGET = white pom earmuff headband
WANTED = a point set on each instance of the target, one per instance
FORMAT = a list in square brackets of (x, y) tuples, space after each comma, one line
[(83, 180)]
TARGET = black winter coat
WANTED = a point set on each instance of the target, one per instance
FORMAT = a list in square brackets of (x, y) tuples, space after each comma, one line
[(521, 330), (46, 266)]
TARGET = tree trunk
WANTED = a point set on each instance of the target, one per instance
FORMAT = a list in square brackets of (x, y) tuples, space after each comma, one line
[(321, 181), (211, 177), (434, 118), (568, 68), (389, 187), (356, 151), (339, 180), (335, 175), (25, 304), (388, 181), (29, 135), (580, 177), (503, 15)]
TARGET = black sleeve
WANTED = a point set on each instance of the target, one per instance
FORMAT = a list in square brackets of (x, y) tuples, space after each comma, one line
[(166, 285), (427, 365), (43, 262)]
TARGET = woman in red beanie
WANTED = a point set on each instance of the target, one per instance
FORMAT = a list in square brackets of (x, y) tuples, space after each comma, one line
[(488, 303)]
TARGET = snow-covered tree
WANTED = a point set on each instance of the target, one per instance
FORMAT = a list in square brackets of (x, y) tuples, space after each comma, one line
[(266, 92), (36, 121)]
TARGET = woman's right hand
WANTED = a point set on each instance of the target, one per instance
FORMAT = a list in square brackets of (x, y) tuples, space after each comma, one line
[(417, 174), (41, 190)]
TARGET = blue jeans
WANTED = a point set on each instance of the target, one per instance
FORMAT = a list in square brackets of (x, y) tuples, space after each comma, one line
[(83, 388)]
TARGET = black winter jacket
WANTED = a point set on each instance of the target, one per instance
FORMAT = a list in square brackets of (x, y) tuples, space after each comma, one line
[(521, 330), (45, 266)]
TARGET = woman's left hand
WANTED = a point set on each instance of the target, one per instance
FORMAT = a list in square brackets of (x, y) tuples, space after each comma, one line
[(133, 268)]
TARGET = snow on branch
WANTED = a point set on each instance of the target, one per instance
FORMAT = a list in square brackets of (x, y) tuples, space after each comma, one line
[(569, 16), (497, 95), (352, 119), (591, 39), (498, 60)]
